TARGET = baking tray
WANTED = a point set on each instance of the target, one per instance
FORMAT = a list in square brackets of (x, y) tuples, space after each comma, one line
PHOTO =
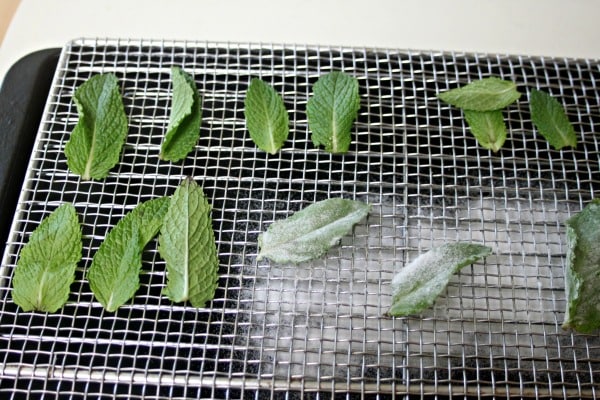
[(317, 330), (22, 100)]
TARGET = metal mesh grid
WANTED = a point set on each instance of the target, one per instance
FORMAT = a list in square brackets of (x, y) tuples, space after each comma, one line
[(317, 330)]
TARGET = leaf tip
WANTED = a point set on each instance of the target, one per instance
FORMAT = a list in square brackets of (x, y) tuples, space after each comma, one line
[(443, 96), (573, 142)]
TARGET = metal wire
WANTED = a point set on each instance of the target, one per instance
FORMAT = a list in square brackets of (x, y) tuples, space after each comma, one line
[(317, 329)]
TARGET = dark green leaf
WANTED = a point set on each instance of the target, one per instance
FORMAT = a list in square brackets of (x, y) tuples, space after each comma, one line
[(488, 128), (551, 120), (46, 266), (582, 272), (486, 94), (185, 120), (332, 110), (266, 116), (95, 145), (187, 243), (115, 269)]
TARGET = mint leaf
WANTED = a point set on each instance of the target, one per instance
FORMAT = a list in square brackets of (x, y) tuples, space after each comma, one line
[(486, 94), (266, 116), (488, 128), (332, 110), (582, 270), (95, 145), (552, 122), (46, 266), (115, 269), (187, 243), (310, 232), (418, 284), (186, 116)]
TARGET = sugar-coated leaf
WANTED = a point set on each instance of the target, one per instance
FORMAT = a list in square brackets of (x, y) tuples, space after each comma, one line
[(266, 116), (46, 266), (418, 284), (187, 243), (95, 145), (488, 128), (310, 232), (115, 269), (486, 94), (185, 119), (332, 110), (549, 117), (582, 271)]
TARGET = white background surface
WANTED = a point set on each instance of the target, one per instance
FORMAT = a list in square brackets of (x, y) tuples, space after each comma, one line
[(563, 28)]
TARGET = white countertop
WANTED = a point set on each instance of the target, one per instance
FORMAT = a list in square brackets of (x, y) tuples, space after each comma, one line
[(529, 27)]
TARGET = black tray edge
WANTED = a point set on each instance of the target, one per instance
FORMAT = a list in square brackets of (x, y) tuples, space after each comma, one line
[(22, 100)]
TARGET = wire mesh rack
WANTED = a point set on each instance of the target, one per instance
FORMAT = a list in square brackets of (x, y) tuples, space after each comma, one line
[(318, 329)]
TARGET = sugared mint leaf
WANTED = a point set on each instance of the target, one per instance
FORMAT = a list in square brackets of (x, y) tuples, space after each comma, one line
[(550, 119), (582, 270), (488, 128), (46, 266), (187, 243), (115, 269), (418, 284), (95, 145), (185, 119), (486, 94), (266, 116), (310, 232), (332, 110)]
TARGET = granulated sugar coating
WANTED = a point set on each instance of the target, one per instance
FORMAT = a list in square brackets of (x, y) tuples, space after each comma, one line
[(309, 233), (418, 284)]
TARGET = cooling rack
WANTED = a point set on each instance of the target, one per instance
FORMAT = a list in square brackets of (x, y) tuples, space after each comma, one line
[(318, 329)]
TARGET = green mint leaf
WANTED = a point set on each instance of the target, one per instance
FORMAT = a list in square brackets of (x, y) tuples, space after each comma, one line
[(552, 122), (488, 128), (115, 269), (332, 110), (46, 266), (186, 116), (266, 116), (486, 94), (310, 232), (187, 243), (95, 145), (418, 284), (582, 270)]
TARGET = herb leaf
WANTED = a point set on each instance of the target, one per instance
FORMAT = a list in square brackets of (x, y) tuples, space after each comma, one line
[(486, 94), (266, 116), (46, 266), (332, 110), (581, 273), (96, 142), (552, 122), (310, 232), (187, 243), (488, 128), (185, 119), (115, 269), (418, 284)]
